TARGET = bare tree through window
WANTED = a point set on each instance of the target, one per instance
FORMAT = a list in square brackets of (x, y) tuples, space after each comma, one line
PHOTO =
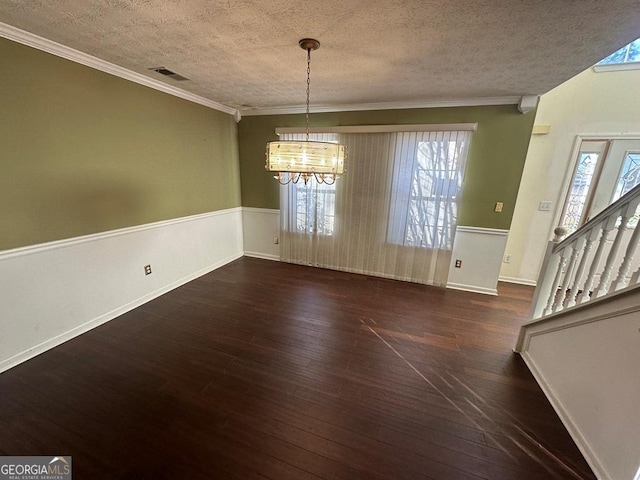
[(427, 192)]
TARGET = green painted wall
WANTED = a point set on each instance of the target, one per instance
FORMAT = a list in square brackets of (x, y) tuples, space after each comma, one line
[(494, 168), (82, 151)]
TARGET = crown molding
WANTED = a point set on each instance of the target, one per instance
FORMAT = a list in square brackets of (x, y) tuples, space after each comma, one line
[(31, 40), (424, 127), (616, 67), (454, 102)]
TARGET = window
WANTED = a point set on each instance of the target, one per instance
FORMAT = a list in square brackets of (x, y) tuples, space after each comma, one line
[(313, 205), (627, 58), (426, 191), (605, 170), (627, 54), (629, 174), (572, 217), (392, 215), (629, 177)]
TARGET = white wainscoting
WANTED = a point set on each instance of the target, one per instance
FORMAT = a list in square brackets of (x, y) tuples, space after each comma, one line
[(261, 226), (481, 251), (586, 361), (52, 292)]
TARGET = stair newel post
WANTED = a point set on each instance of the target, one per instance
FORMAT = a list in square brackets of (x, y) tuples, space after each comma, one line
[(548, 279), (621, 280), (544, 285), (605, 278)]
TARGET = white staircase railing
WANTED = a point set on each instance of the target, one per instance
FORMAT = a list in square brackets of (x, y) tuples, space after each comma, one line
[(594, 261)]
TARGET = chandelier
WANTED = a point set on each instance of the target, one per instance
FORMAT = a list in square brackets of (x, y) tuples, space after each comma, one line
[(293, 160)]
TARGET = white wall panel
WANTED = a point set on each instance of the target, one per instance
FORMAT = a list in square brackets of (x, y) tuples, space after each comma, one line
[(52, 292), (261, 226), (481, 251), (587, 362)]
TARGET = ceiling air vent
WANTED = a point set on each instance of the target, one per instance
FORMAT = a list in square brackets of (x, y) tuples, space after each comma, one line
[(168, 73)]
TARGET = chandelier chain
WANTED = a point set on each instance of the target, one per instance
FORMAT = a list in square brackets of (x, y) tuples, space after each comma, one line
[(308, 84)]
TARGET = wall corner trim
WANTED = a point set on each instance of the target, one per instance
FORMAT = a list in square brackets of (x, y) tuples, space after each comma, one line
[(40, 43)]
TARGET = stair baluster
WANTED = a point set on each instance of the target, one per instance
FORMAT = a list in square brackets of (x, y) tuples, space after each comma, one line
[(605, 278), (621, 280), (556, 281), (562, 299), (574, 292), (593, 270)]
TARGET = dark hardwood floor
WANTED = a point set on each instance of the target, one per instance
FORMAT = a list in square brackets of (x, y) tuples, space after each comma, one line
[(264, 370)]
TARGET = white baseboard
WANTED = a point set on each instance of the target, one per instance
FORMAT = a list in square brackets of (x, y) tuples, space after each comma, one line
[(55, 291), (264, 256), (565, 418), (519, 281), (472, 288)]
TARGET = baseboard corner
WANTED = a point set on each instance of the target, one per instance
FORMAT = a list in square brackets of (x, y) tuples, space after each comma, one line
[(519, 281), (472, 289), (264, 256)]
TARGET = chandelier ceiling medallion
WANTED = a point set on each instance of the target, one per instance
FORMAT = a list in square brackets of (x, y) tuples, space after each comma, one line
[(293, 160)]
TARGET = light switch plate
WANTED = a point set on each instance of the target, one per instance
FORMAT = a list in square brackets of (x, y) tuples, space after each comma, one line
[(544, 206)]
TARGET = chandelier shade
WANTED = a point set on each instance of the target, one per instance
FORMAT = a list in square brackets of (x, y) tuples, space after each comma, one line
[(294, 160), (304, 159)]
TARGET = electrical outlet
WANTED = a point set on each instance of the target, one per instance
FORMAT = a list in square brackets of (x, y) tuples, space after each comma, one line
[(507, 258), (498, 207), (458, 263), (147, 269), (276, 240)]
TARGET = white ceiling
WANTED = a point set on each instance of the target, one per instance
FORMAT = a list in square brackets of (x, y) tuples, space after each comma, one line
[(245, 54)]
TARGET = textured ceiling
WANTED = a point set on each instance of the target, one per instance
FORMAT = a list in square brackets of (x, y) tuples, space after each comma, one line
[(245, 54)]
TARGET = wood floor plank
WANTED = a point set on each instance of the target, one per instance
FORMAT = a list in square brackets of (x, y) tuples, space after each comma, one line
[(264, 370)]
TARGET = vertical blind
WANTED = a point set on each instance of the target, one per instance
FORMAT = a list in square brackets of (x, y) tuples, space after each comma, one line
[(393, 214)]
